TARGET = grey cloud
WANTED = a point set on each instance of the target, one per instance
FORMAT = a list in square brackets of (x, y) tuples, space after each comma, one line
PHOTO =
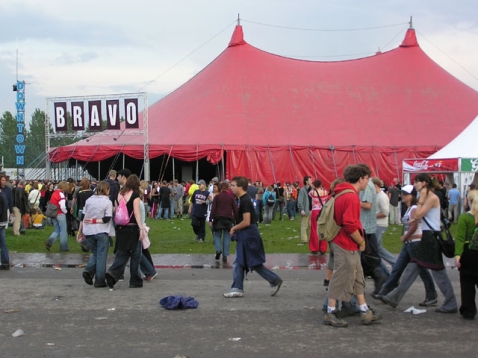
[(78, 57), (24, 24)]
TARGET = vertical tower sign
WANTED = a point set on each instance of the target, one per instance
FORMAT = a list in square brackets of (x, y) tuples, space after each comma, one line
[(20, 137)]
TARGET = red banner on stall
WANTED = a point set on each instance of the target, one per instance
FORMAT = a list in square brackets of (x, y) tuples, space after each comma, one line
[(430, 165)]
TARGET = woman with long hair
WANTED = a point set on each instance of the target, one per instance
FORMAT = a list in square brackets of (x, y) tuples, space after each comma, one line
[(128, 236), (427, 254), (146, 263), (412, 234), (58, 198), (466, 255), (96, 225)]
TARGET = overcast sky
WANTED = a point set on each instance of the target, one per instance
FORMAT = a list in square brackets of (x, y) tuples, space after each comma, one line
[(87, 47)]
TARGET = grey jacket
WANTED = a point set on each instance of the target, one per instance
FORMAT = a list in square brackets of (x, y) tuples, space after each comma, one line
[(303, 200)]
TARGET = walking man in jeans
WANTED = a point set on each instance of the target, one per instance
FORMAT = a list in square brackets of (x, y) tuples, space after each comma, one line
[(454, 203), (347, 277), (250, 255)]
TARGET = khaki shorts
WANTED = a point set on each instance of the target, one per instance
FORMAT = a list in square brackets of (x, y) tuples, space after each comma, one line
[(347, 278)]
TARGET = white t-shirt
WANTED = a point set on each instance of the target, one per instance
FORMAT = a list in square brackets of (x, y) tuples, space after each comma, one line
[(383, 206)]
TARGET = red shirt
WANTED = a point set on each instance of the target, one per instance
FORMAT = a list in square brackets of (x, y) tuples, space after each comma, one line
[(347, 215)]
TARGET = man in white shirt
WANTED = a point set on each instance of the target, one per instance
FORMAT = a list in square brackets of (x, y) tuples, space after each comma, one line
[(382, 210)]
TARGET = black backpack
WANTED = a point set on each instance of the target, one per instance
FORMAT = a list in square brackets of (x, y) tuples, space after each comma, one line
[(270, 200)]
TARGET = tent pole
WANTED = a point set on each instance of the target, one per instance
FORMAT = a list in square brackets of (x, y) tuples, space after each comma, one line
[(396, 161), (174, 176), (197, 163), (293, 163), (313, 161), (123, 160), (146, 164), (332, 149), (99, 172), (272, 164), (223, 164)]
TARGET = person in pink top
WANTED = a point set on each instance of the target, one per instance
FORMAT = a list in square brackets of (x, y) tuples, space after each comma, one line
[(319, 197)]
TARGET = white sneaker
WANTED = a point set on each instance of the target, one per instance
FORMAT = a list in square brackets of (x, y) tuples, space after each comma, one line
[(276, 288), (233, 294)]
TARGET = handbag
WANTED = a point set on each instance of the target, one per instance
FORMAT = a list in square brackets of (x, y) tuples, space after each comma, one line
[(51, 210), (447, 245)]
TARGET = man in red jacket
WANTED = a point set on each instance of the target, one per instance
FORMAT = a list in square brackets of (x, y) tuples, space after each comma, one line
[(347, 277)]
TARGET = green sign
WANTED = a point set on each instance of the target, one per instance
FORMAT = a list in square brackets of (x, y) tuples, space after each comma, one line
[(469, 165)]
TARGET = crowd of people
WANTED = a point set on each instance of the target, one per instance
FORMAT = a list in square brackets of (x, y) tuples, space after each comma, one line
[(363, 208)]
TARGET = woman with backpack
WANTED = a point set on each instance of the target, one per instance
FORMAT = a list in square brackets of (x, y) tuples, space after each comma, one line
[(129, 234), (268, 200), (58, 198)]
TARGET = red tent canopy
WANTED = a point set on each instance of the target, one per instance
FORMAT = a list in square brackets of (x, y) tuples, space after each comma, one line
[(279, 118)]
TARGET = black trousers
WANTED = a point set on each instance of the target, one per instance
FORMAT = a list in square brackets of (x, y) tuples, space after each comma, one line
[(468, 285), (199, 227)]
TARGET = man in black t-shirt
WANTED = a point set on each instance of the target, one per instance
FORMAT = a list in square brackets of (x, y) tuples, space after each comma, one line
[(279, 205), (165, 200), (198, 210), (250, 249)]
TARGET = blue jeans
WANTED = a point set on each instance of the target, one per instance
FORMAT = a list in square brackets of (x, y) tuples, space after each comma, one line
[(400, 266), (171, 209), (160, 211), (121, 259), (145, 266), (238, 276), (291, 208), (59, 225), (268, 214), (226, 244), (99, 245), (3, 247)]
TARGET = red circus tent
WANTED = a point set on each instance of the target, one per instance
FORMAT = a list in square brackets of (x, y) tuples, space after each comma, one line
[(276, 118)]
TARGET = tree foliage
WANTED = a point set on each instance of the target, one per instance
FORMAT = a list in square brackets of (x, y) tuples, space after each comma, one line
[(34, 139), (8, 133)]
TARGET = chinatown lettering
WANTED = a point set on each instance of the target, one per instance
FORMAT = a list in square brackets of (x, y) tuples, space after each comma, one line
[(92, 112), (20, 137)]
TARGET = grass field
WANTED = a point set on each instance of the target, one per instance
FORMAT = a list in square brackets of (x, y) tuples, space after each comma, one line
[(176, 236)]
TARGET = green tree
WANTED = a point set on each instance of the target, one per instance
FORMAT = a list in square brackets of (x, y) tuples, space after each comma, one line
[(35, 149), (8, 139)]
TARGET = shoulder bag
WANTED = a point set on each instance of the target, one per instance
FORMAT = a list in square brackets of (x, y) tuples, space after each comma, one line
[(447, 245)]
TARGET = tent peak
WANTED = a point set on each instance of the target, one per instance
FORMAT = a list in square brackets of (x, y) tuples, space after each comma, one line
[(237, 37), (410, 39)]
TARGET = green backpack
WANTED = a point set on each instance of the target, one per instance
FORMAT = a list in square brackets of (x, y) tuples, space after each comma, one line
[(328, 228)]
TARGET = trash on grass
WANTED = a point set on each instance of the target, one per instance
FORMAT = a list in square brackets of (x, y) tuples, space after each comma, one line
[(235, 339)]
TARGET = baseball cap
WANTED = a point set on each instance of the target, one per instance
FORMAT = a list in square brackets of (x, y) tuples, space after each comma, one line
[(201, 182), (124, 172), (215, 179), (409, 189), (70, 180)]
